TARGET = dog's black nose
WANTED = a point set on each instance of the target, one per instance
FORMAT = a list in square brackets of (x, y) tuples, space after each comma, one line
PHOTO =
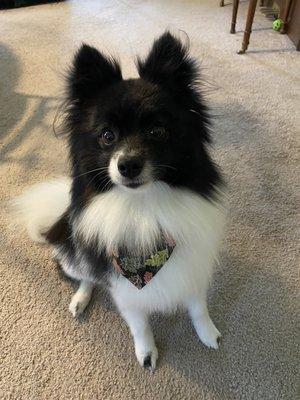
[(130, 167)]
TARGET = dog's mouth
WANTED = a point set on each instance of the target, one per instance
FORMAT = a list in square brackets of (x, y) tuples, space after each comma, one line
[(119, 178), (133, 184)]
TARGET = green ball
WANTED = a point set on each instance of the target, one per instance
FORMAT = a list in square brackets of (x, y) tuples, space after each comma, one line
[(277, 24)]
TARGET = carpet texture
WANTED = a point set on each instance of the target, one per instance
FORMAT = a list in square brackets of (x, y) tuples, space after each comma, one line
[(254, 300)]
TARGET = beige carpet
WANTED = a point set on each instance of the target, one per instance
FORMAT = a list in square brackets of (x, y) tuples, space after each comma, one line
[(45, 353)]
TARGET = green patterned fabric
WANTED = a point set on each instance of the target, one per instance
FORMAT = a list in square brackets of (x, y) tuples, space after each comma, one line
[(140, 270)]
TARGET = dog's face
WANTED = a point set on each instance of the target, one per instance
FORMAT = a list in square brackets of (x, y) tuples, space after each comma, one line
[(134, 132), (130, 137)]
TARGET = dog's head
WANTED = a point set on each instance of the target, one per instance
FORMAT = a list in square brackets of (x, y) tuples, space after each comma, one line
[(134, 132)]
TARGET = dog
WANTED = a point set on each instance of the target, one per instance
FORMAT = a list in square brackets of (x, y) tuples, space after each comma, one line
[(144, 210)]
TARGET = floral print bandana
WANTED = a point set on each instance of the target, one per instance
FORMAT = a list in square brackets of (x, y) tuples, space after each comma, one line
[(140, 270)]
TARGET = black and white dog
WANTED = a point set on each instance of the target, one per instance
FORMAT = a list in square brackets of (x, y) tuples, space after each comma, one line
[(143, 212)]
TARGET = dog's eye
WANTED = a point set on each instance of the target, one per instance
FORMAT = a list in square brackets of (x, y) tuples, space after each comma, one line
[(108, 136), (158, 132)]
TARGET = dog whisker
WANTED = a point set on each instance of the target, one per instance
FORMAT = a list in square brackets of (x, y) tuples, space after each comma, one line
[(97, 176), (92, 170), (165, 166)]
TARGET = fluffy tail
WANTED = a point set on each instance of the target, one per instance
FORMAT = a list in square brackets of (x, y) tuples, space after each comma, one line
[(41, 205)]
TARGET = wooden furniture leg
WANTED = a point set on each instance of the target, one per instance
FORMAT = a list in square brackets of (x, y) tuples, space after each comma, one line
[(285, 15), (234, 14), (222, 3), (249, 21)]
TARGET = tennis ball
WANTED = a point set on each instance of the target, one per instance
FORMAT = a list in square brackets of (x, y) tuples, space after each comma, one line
[(277, 24)]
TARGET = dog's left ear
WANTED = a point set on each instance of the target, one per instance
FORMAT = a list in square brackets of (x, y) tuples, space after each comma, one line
[(169, 64), (91, 72)]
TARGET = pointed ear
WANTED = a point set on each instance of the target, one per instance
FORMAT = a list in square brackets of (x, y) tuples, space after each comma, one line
[(169, 64), (91, 72)]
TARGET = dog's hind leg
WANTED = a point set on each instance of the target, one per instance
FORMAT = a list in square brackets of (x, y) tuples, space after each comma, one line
[(205, 328), (81, 298)]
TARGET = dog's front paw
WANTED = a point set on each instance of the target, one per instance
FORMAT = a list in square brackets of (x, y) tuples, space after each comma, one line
[(78, 304), (147, 358), (209, 335)]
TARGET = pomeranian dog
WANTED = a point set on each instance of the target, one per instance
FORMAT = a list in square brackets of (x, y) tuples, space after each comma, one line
[(143, 212)]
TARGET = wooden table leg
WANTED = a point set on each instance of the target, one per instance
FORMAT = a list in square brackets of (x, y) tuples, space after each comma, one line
[(222, 3), (234, 14), (285, 15), (249, 21)]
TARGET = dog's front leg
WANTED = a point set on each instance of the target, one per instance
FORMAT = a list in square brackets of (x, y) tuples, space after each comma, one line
[(81, 298), (145, 349), (205, 328)]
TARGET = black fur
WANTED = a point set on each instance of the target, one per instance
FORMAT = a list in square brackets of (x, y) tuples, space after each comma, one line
[(166, 95), (91, 72), (169, 65)]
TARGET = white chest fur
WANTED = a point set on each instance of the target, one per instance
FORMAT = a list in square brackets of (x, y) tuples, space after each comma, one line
[(134, 218)]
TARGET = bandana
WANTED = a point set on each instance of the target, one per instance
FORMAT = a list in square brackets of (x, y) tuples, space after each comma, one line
[(140, 270)]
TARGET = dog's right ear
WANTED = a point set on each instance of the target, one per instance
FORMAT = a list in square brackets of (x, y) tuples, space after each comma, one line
[(91, 72), (169, 64)]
